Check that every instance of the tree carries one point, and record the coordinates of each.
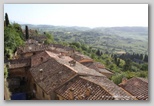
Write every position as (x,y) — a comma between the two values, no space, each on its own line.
(49,39)
(12,40)
(18,30)
(98,53)
(118,62)
(27,32)
(6,20)
(146,58)
(127,65)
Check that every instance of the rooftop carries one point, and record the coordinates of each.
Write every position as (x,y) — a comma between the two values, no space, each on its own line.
(137,87)
(18,63)
(109,86)
(51,77)
(98,89)
(97,66)
(78,68)
(80,88)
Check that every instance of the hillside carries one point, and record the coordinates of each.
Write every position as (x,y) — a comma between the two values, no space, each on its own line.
(111,39)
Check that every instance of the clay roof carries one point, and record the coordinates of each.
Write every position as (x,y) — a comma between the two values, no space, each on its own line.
(31,48)
(101,89)
(57,70)
(97,66)
(79,86)
(117,92)
(137,87)
(51,77)
(78,56)
(18,63)
(104,70)
(78,68)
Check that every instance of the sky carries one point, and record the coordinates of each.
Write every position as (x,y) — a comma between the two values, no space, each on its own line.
(85,15)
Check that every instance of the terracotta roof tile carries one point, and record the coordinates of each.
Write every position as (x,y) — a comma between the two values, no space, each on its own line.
(80,87)
(50,78)
(93,65)
(109,86)
(78,68)
(57,70)
(137,87)
(78,56)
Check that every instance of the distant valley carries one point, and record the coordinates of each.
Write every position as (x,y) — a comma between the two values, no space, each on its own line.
(110,39)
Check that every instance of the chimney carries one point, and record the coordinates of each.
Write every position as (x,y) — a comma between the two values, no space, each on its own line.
(71,95)
(124,81)
(88,91)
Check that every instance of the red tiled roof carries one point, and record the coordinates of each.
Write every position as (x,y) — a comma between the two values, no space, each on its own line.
(78,56)
(31,48)
(94,65)
(99,89)
(53,68)
(78,68)
(109,86)
(138,87)
(53,75)
(99,65)
(39,47)
(80,86)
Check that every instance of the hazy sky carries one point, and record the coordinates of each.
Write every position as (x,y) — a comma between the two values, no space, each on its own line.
(90,15)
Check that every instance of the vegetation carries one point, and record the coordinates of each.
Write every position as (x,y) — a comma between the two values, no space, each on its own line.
(5,72)
(13,38)
(49,39)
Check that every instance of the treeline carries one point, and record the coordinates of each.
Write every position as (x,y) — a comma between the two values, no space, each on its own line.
(140,58)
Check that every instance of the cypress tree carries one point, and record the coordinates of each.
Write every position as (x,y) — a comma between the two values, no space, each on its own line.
(27,32)
(7,19)
(98,53)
